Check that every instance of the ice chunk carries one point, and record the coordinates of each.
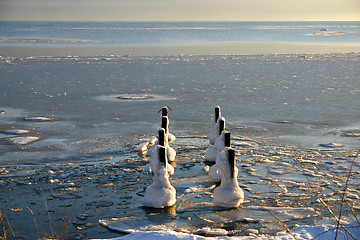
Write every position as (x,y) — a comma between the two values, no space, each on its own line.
(149,223)
(38,119)
(99,204)
(192,188)
(65,195)
(22,140)
(332,145)
(211,232)
(15,131)
(142,148)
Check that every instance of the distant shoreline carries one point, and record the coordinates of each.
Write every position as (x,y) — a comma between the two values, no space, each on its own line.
(243,48)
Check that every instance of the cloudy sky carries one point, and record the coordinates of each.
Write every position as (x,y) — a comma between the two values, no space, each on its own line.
(180,10)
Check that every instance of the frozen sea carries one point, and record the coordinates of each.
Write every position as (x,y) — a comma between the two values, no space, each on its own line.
(69,125)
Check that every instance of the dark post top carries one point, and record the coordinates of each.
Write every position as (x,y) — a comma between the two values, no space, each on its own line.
(227,139)
(162,157)
(217,113)
(164,123)
(231,159)
(164,111)
(221,126)
(161,139)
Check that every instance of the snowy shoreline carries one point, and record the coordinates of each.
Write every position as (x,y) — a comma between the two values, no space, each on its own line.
(324,232)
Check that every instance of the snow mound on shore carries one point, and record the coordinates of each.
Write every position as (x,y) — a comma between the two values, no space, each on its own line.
(323,232)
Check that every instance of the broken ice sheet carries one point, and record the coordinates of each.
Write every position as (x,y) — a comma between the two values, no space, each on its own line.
(149,223)
(20,173)
(197,207)
(65,195)
(258,214)
(190,186)
(22,140)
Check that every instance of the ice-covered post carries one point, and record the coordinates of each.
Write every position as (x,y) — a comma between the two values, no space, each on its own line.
(228,194)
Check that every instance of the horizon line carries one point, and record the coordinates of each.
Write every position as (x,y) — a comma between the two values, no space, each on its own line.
(1,20)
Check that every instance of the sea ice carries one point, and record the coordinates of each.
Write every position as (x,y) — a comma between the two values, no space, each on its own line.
(39,119)
(22,140)
(192,188)
(324,232)
(212,232)
(133,97)
(99,204)
(15,131)
(258,214)
(142,148)
(148,223)
(65,195)
(332,145)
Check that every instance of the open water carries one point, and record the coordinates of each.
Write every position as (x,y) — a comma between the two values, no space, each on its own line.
(175,33)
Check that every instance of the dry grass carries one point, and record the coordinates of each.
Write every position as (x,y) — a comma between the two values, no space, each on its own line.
(60,230)
(343,202)
(338,217)
(6,228)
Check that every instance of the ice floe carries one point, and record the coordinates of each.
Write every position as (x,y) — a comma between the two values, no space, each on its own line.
(15,131)
(332,145)
(133,97)
(148,223)
(38,119)
(323,232)
(258,214)
(22,140)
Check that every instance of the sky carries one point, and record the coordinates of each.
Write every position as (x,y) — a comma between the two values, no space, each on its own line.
(180,10)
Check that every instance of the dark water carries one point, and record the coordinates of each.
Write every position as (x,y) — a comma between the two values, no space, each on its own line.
(309,99)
